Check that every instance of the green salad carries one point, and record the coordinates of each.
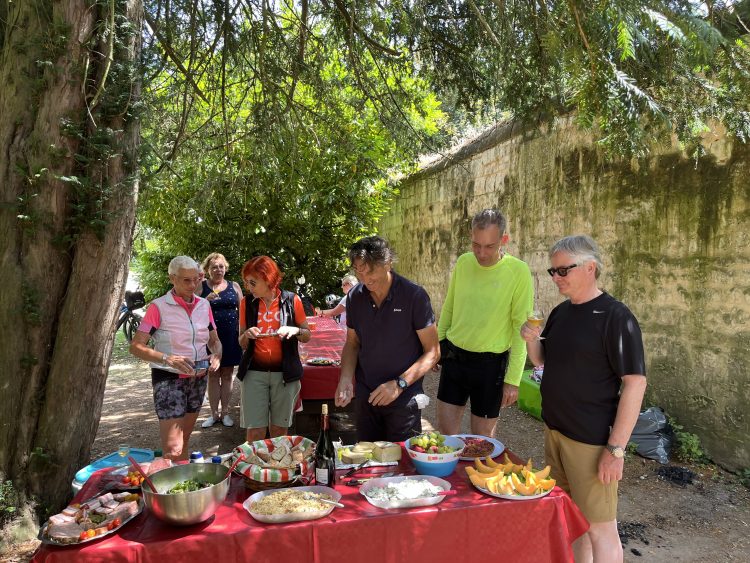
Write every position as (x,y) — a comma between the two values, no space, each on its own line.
(189,486)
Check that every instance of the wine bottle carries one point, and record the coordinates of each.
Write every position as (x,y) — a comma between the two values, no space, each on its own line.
(325,458)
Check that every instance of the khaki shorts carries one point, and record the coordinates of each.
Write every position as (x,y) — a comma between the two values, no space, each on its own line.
(265,397)
(575,467)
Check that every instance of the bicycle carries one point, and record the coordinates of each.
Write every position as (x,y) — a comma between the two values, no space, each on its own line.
(129,320)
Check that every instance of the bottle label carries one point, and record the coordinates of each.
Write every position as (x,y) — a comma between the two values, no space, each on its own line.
(321,475)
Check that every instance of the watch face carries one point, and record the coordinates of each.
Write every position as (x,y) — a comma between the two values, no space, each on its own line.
(401,383)
(616,451)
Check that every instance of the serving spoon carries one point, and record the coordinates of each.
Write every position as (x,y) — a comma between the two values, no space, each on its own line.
(309,496)
(142,472)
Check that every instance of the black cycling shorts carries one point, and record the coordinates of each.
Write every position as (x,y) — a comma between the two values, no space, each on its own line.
(475,376)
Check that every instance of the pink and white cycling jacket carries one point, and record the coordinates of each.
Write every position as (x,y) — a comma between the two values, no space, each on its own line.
(178,328)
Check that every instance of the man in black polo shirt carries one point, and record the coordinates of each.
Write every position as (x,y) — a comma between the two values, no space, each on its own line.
(391,342)
(594,380)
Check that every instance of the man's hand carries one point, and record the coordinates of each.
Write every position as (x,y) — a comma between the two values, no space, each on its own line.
(384,394)
(530,333)
(344,393)
(510,395)
(610,467)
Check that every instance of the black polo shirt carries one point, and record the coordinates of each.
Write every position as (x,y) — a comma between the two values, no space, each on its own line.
(388,338)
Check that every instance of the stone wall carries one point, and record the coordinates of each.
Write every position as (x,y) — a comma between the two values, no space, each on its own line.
(675,236)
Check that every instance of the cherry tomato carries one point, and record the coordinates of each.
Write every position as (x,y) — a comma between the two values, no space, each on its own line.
(90,533)
(116,522)
(126,480)
(83,536)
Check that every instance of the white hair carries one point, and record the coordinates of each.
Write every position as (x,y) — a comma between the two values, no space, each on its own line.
(350,279)
(182,263)
(582,248)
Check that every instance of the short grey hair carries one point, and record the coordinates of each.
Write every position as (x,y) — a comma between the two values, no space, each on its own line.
(582,248)
(488,217)
(182,263)
(372,251)
(350,279)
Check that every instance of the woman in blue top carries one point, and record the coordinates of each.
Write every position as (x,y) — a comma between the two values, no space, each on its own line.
(224,297)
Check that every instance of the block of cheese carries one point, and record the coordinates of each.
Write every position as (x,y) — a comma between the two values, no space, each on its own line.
(348,456)
(386,451)
(363,447)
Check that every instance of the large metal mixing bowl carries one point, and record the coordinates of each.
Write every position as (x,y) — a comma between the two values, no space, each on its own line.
(184,509)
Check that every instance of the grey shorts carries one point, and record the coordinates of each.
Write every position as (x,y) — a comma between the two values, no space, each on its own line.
(174,398)
(265,397)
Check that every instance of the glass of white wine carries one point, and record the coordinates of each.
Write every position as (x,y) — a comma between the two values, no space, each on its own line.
(123,450)
(536,318)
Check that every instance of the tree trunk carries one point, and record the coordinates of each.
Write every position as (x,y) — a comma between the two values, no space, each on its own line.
(68,189)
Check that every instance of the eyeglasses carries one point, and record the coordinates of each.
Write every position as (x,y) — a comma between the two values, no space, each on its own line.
(562,271)
(251,283)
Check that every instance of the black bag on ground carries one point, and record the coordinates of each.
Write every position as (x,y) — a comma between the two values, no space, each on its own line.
(653,435)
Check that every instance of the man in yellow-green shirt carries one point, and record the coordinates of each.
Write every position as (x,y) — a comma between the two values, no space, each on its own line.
(489,297)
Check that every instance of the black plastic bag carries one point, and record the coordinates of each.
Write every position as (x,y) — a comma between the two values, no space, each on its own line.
(653,435)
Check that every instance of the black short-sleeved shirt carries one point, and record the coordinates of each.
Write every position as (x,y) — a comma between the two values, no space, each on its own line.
(587,349)
(388,338)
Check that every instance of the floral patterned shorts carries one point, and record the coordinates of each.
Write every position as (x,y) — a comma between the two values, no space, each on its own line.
(174,398)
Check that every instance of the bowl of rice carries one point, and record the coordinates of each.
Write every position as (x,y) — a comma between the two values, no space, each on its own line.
(404,492)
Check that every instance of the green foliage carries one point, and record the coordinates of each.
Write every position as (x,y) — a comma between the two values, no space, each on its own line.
(295,168)
(271,126)
(687,445)
(10,502)
(745,477)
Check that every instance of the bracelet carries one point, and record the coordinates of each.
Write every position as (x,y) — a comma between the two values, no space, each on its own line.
(164,359)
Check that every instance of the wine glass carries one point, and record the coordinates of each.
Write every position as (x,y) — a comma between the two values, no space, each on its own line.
(123,450)
(536,318)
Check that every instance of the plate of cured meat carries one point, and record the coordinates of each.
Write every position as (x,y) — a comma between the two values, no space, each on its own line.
(479,446)
(88,521)
(320,361)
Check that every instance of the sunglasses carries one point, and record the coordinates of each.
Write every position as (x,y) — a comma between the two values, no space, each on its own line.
(562,271)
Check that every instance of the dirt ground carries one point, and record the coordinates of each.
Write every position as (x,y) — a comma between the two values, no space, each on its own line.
(708,520)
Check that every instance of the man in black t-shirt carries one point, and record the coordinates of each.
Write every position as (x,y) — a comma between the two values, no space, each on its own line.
(593,386)
(391,342)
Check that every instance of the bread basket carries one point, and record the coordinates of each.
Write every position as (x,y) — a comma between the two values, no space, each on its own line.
(275,463)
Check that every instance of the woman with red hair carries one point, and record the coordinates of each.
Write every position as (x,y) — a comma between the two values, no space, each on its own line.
(272,323)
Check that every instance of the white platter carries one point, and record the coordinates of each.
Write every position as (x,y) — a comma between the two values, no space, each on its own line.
(49,541)
(383,481)
(511,497)
(296,516)
(499,446)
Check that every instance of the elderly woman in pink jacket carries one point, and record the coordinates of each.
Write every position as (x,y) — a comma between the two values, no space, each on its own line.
(181,325)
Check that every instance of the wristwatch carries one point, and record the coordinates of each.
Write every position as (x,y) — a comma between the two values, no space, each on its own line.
(401,382)
(616,451)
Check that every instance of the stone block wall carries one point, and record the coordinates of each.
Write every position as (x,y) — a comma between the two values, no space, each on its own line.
(674,232)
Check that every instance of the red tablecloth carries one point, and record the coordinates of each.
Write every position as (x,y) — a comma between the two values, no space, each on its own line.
(319,382)
(468,526)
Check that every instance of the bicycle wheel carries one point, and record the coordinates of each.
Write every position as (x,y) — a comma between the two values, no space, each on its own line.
(131,326)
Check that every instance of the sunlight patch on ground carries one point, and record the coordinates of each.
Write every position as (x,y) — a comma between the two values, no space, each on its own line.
(120,367)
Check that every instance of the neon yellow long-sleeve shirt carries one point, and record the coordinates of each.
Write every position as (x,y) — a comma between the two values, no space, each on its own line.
(485,308)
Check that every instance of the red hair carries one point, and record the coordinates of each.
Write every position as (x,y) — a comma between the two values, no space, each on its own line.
(265,268)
